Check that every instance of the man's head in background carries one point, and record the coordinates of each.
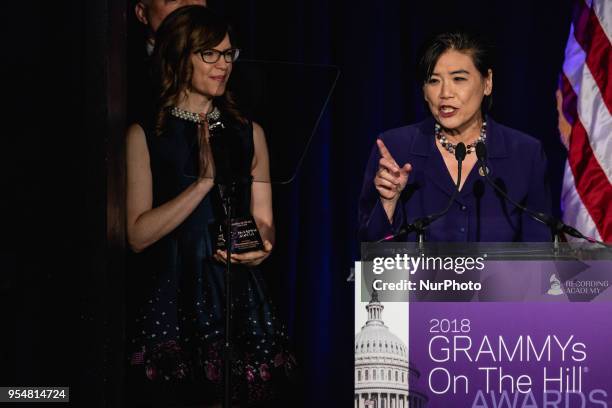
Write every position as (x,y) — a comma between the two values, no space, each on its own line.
(152,12)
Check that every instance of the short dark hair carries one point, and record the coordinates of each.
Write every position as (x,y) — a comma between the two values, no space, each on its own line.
(472,44)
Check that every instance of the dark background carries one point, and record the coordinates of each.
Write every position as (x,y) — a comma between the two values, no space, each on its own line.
(61,256)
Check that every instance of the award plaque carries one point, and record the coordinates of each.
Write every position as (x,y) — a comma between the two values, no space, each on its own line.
(244,236)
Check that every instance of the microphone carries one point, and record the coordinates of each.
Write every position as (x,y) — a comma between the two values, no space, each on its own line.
(420,224)
(556,226)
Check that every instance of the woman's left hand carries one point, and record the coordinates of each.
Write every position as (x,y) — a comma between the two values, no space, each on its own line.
(252,258)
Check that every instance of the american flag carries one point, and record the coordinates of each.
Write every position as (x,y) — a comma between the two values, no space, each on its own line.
(585,123)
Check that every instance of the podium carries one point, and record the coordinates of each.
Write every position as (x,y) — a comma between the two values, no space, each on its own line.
(492,324)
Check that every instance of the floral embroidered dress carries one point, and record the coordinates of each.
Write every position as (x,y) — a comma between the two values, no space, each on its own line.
(176,297)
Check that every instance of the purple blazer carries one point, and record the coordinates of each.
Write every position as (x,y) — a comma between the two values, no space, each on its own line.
(516,162)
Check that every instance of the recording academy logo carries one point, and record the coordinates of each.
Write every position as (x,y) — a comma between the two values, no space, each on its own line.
(577,288)
(586,287)
(555,286)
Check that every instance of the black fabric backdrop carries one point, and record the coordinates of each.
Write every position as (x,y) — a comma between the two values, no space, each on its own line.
(61,291)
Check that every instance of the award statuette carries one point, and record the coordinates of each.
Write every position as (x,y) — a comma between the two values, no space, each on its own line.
(233,178)
(244,236)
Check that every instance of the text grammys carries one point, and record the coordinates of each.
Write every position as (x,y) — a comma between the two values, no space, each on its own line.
(557,383)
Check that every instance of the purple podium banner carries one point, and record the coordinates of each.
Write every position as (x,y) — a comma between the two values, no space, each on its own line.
(488,326)
(511,354)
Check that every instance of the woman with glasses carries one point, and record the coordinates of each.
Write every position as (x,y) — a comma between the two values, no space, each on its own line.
(174,207)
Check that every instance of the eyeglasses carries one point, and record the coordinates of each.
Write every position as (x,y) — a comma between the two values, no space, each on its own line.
(212,56)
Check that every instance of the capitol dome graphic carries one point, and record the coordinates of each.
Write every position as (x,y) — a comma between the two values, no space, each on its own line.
(383,376)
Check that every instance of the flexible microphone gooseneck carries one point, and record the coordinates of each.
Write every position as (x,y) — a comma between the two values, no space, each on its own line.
(420,224)
(556,226)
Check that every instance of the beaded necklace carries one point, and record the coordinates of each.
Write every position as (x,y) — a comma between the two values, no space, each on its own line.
(212,116)
(451,147)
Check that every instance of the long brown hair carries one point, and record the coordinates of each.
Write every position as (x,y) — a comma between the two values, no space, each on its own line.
(185,31)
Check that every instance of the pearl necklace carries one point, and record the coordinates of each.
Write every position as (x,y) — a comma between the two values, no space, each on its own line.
(212,116)
(451,147)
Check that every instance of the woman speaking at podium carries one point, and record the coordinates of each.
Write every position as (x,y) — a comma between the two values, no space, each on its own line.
(412,170)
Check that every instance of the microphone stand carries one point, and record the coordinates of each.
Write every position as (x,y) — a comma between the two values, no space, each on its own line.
(420,224)
(228,346)
(556,226)
(227,189)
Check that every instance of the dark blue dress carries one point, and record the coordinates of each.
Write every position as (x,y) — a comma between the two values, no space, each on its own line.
(176,296)
(478,214)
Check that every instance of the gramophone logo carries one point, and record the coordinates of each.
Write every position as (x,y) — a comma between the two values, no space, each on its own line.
(555,286)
